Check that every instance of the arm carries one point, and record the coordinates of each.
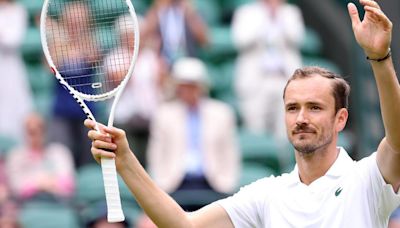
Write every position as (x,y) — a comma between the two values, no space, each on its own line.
(195,23)
(158,205)
(374,35)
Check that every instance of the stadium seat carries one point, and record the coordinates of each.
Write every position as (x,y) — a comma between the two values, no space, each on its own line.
(209,11)
(321,62)
(261,149)
(253,171)
(233,4)
(48,215)
(106,36)
(40,78)
(95,210)
(115,9)
(221,45)
(33,7)
(312,44)
(90,186)
(6,144)
(31,47)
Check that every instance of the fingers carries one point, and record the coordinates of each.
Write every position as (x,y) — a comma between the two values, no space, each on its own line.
(379,15)
(370,3)
(116,133)
(96,135)
(108,146)
(99,153)
(353,12)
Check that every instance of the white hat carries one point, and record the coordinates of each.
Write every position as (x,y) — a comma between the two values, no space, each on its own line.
(190,70)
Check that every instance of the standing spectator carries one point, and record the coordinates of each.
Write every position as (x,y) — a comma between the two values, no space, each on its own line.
(267,34)
(180,28)
(72,61)
(38,170)
(16,101)
(192,139)
(144,91)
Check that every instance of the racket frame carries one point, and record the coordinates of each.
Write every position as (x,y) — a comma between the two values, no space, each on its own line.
(114,208)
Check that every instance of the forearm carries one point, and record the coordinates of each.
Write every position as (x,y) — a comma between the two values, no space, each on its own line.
(198,29)
(389,95)
(158,205)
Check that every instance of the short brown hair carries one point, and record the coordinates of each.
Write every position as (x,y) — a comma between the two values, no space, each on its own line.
(340,88)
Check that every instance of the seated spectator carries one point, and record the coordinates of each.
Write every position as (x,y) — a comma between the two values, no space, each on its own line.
(8,205)
(268,35)
(180,28)
(192,139)
(38,170)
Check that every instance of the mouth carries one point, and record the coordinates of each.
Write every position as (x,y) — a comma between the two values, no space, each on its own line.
(303,132)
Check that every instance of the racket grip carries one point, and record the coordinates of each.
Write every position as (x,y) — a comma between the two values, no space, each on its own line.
(114,208)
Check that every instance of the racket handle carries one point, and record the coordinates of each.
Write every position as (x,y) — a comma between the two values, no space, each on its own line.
(114,209)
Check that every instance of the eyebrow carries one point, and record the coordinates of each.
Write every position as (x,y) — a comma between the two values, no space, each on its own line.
(307,103)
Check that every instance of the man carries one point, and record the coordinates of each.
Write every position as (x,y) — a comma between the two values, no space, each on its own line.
(192,144)
(326,189)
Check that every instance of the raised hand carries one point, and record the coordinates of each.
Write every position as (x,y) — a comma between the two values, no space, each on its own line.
(374,32)
(108,139)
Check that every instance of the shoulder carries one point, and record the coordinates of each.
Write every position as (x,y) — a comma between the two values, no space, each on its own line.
(169,107)
(171,110)
(218,110)
(216,104)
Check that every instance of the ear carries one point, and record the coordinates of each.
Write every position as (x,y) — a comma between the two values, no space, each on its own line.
(341,119)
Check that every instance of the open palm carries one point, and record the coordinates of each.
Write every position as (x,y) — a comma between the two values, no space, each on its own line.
(373,33)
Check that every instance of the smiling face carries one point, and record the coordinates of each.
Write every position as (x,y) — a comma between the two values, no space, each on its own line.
(311,120)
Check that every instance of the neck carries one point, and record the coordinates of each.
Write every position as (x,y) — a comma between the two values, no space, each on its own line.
(315,165)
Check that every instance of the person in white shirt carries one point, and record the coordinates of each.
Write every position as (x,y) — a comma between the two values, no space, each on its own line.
(16,97)
(326,188)
(268,35)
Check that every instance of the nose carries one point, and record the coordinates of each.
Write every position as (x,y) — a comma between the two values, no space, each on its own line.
(302,117)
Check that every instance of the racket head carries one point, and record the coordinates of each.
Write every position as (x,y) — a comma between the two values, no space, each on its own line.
(80,43)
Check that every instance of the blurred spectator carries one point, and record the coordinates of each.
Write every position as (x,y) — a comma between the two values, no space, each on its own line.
(74,59)
(180,28)
(38,170)
(16,101)
(192,140)
(394,221)
(8,206)
(268,35)
(144,91)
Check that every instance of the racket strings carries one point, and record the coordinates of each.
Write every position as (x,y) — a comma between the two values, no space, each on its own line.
(83,43)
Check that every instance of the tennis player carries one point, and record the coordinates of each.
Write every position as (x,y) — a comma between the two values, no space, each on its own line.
(326,188)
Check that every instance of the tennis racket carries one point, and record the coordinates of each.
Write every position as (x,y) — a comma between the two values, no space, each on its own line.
(78,38)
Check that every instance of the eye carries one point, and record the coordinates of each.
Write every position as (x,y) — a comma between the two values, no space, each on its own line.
(315,108)
(291,108)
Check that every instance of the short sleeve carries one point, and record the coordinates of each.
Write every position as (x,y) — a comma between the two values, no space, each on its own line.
(246,207)
(383,197)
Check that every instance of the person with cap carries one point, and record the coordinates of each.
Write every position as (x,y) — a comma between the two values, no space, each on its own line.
(192,138)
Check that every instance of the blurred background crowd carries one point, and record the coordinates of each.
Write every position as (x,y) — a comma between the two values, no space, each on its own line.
(203,110)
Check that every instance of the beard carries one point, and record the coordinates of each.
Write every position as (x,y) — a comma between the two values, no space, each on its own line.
(307,147)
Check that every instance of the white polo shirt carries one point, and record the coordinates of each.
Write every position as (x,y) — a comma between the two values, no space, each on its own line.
(351,194)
